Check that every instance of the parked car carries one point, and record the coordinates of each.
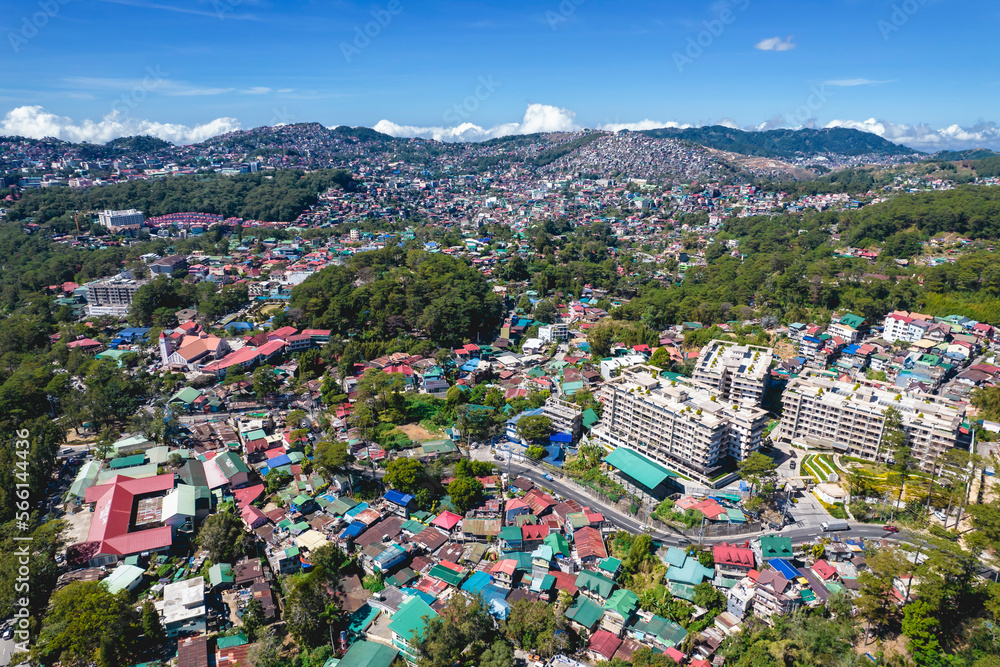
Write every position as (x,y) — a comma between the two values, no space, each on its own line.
(547,476)
(792,465)
(890,529)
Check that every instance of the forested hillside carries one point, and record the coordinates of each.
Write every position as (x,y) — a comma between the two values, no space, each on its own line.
(393,291)
(274,196)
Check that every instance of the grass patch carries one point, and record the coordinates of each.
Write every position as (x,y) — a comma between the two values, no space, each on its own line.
(836,511)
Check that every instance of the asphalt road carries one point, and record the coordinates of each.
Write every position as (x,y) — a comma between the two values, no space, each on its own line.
(802,531)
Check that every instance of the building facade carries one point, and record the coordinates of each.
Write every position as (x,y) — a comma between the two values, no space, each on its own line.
(112,296)
(676,424)
(121,221)
(850,418)
(738,373)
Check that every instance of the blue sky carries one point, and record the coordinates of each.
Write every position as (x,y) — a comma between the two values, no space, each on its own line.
(921,72)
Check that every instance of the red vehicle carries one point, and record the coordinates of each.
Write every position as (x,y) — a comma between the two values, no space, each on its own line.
(890,529)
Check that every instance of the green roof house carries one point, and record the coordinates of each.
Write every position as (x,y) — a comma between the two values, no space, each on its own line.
(774,546)
(369,654)
(584,613)
(408,624)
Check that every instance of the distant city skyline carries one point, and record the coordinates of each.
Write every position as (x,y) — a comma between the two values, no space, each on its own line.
(93,70)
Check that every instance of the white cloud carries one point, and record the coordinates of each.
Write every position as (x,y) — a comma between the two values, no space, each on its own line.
(849,83)
(642,125)
(775,44)
(924,137)
(537,118)
(256,90)
(36,122)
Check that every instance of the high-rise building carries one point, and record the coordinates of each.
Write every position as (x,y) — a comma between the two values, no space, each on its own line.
(676,423)
(112,296)
(121,221)
(850,418)
(737,373)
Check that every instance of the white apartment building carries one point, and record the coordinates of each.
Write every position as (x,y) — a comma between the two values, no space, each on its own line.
(908,327)
(850,418)
(610,368)
(112,296)
(183,607)
(553,333)
(119,221)
(676,424)
(737,373)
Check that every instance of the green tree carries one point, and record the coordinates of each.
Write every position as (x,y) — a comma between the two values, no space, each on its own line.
(536,626)
(920,626)
(253,619)
(463,630)
(305,609)
(536,452)
(265,382)
(466,493)
(79,617)
(152,628)
(222,535)
(545,312)
(534,428)
(499,654)
(759,470)
(405,474)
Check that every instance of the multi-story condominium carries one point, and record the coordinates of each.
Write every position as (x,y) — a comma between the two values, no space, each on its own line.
(566,417)
(737,373)
(553,333)
(903,326)
(676,424)
(112,296)
(850,418)
(119,221)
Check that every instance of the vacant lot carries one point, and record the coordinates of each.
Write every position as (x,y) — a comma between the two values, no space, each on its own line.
(416,432)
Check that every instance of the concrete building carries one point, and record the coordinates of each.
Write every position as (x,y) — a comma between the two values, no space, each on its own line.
(183,607)
(112,296)
(610,368)
(850,418)
(121,221)
(676,424)
(902,326)
(553,333)
(566,417)
(737,373)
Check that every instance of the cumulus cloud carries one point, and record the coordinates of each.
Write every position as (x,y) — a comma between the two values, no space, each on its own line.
(36,122)
(775,44)
(643,125)
(926,138)
(537,118)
